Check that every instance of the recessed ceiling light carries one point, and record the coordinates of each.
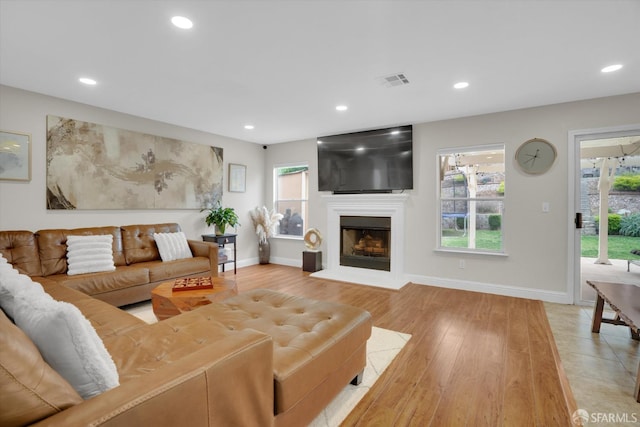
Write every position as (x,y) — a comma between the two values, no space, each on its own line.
(182,22)
(249,127)
(461,85)
(342,107)
(611,68)
(87,81)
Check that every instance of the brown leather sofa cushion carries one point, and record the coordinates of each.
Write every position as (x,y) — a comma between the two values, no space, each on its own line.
(31,390)
(97,283)
(20,248)
(52,246)
(163,271)
(226,381)
(138,242)
(104,317)
(142,350)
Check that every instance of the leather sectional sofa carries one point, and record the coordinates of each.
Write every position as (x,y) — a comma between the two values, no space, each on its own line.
(260,358)
(43,256)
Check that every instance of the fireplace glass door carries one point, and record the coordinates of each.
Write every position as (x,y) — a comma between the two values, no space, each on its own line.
(365,242)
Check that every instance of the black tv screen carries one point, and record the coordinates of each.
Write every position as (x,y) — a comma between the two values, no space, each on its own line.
(372,161)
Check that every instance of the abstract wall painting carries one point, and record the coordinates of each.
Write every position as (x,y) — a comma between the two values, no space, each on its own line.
(96,167)
(15,156)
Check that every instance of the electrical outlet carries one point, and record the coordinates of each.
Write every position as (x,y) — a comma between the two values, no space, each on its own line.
(461,264)
(545,207)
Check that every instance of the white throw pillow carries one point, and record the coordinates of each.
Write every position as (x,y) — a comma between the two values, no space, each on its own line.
(68,343)
(172,246)
(13,283)
(89,254)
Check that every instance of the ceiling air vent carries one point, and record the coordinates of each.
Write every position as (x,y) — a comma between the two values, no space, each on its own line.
(394,80)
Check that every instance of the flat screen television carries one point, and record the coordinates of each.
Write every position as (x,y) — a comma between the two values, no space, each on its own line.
(374,161)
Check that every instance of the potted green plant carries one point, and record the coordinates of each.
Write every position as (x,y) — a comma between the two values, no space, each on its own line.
(221,217)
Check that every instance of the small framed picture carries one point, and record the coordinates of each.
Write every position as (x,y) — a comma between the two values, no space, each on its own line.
(237,178)
(15,156)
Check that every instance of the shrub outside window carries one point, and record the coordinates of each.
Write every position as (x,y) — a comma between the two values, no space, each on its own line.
(471,199)
(291,190)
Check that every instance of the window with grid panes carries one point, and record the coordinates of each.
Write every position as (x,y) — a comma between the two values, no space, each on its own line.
(291,189)
(471,199)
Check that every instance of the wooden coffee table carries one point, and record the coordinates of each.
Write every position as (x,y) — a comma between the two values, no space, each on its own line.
(167,303)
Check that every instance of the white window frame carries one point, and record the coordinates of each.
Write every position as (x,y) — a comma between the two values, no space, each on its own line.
(453,151)
(275,197)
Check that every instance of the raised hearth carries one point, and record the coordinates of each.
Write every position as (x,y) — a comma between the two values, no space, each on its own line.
(390,206)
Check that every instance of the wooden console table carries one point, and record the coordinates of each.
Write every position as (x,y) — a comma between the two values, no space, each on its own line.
(624,300)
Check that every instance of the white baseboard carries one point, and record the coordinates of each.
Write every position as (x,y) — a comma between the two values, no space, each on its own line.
(273,260)
(287,261)
(247,262)
(489,288)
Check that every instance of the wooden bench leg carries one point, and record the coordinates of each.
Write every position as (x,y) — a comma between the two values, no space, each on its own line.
(637,391)
(597,315)
(358,378)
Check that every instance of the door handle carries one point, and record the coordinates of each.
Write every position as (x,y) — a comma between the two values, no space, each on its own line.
(578,220)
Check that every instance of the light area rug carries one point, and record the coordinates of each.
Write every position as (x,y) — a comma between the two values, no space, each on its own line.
(382,347)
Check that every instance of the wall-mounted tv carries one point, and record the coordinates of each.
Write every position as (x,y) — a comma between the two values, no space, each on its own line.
(374,161)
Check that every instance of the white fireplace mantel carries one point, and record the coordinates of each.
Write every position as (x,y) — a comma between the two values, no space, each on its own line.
(381,205)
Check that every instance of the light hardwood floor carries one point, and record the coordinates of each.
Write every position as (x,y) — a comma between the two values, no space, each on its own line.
(474,359)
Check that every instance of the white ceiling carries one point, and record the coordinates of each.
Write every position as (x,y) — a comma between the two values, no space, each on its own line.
(283,66)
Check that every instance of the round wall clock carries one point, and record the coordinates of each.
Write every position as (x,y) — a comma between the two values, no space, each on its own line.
(536,156)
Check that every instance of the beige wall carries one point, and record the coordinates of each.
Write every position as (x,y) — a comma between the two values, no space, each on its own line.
(23,206)
(536,242)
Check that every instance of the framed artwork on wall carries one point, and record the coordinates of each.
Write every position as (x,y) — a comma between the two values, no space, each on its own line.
(15,156)
(94,166)
(237,178)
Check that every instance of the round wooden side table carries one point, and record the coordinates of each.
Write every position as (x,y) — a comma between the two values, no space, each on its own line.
(167,303)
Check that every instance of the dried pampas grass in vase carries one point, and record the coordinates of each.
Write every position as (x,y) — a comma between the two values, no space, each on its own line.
(265,224)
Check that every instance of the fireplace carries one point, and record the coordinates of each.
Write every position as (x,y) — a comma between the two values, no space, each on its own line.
(365,242)
(385,257)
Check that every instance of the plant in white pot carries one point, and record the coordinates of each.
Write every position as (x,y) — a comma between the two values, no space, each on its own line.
(265,223)
(221,217)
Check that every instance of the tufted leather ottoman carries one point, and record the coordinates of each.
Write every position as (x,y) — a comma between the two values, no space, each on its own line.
(319,346)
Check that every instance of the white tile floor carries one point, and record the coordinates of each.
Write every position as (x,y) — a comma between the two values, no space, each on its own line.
(601,367)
